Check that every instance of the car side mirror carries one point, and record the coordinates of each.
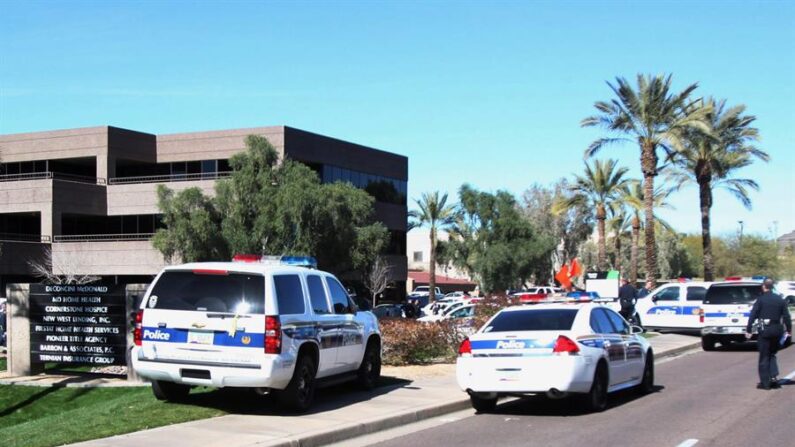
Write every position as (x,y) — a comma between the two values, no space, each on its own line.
(635,330)
(654,299)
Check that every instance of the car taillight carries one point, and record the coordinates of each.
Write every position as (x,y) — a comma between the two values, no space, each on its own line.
(565,345)
(273,335)
(465,350)
(700,315)
(138,328)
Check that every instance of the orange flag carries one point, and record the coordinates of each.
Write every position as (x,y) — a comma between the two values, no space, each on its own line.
(576,269)
(563,276)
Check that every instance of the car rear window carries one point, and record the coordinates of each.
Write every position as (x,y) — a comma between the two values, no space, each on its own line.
(227,293)
(733,294)
(533,320)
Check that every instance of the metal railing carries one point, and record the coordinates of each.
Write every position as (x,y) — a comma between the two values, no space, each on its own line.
(168,178)
(52,175)
(102,237)
(21,237)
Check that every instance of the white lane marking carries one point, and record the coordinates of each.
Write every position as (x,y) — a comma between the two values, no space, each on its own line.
(688,443)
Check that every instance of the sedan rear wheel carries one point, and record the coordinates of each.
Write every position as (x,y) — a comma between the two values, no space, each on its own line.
(647,384)
(483,403)
(596,399)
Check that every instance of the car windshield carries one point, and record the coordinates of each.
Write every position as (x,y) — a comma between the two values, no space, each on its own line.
(240,293)
(533,320)
(733,294)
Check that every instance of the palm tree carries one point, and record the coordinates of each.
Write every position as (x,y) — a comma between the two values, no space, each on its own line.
(654,118)
(599,187)
(437,215)
(710,160)
(634,198)
(619,225)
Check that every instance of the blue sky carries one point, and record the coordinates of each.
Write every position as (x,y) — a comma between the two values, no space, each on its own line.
(489,93)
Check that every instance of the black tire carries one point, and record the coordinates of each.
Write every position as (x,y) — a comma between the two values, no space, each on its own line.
(370,369)
(647,384)
(707,343)
(170,391)
(596,399)
(483,403)
(300,391)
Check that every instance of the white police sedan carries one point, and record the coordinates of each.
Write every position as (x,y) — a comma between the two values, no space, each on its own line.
(557,349)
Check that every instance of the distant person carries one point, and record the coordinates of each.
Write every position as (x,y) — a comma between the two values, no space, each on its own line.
(773,321)
(646,289)
(627,297)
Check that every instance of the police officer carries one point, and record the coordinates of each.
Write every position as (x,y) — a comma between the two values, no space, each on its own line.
(768,313)
(627,297)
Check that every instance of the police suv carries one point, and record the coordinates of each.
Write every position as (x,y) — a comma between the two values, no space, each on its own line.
(275,324)
(673,307)
(557,349)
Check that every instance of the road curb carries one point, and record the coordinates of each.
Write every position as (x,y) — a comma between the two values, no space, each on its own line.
(365,428)
(678,350)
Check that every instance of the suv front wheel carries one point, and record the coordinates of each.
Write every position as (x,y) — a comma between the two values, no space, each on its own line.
(300,391)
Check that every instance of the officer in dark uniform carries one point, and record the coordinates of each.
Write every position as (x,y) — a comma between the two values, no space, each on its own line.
(627,297)
(768,313)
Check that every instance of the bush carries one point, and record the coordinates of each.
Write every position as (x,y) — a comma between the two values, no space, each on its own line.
(410,342)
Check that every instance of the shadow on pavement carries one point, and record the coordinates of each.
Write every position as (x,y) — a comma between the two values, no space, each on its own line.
(245,401)
(543,406)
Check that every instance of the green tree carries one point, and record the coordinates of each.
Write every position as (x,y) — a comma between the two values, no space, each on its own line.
(273,208)
(435,213)
(493,242)
(654,118)
(710,160)
(599,188)
(568,229)
(193,227)
(633,198)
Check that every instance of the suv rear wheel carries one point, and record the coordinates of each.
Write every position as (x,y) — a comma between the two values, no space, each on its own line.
(170,391)
(300,391)
(370,369)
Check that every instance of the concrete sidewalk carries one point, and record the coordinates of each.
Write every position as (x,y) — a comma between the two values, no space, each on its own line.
(412,394)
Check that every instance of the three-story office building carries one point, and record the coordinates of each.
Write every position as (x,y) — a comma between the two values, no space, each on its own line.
(88,195)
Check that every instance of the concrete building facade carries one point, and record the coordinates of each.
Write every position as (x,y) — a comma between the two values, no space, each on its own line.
(88,195)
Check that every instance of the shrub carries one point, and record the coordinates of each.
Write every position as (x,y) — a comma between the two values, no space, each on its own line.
(410,342)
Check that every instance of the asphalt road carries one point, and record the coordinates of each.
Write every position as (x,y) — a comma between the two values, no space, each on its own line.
(702,399)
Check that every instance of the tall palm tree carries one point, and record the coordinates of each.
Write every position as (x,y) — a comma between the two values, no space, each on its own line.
(654,118)
(634,198)
(599,187)
(710,161)
(619,224)
(434,212)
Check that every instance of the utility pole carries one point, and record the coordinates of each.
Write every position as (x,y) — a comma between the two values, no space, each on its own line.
(741,231)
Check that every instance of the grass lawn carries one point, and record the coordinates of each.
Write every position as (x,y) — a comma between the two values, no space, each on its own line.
(648,335)
(3,364)
(39,417)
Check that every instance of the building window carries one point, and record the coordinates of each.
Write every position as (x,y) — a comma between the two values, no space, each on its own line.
(417,256)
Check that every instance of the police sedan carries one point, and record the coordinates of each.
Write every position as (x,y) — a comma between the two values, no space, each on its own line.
(558,349)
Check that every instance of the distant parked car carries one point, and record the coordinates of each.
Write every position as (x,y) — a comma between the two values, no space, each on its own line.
(389,311)
(535,294)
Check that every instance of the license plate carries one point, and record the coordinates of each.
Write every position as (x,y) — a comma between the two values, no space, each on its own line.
(735,330)
(200,338)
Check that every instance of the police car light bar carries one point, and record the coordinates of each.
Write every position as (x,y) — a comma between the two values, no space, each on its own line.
(297,261)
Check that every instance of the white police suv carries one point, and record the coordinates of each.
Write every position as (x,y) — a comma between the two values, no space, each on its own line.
(555,349)
(725,311)
(275,324)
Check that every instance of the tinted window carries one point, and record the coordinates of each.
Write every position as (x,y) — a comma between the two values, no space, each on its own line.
(620,326)
(696,293)
(233,293)
(289,294)
(599,322)
(732,294)
(317,295)
(533,320)
(339,298)
(668,294)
